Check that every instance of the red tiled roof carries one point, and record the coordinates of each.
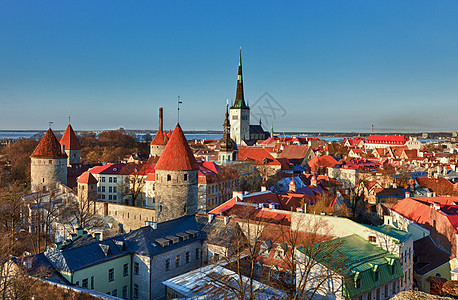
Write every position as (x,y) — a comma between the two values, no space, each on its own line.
(440,185)
(108,169)
(69,139)
(321,161)
(49,147)
(177,155)
(411,209)
(387,139)
(295,152)
(87,178)
(258,154)
(150,177)
(159,138)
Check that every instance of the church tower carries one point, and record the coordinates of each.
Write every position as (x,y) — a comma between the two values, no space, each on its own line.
(227,149)
(157,145)
(176,179)
(240,112)
(71,146)
(48,163)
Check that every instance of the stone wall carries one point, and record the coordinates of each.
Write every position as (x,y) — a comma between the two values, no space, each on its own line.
(48,172)
(74,157)
(131,217)
(156,150)
(176,194)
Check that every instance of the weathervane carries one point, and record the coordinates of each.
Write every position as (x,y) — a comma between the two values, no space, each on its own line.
(49,124)
(178,106)
(68,119)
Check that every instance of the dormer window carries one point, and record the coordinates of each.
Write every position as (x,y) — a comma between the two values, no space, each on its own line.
(280,252)
(265,248)
(377,275)
(358,283)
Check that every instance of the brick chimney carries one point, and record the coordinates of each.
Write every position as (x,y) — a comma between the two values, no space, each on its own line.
(160,119)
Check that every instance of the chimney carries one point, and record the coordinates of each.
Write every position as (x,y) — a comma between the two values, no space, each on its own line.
(154,225)
(210,218)
(226,220)
(407,194)
(263,188)
(292,185)
(160,118)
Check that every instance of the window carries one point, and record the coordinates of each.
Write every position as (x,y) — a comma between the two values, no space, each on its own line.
(111,275)
(235,117)
(169,177)
(110,197)
(135,290)
(92,282)
(114,293)
(378,294)
(358,283)
(187,257)
(110,179)
(103,196)
(438,275)
(394,287)
(85,283)
(99,189)
(125,270)
(372,239)
(167,264)
(393,269)
(369,295)
(136,268)
(77,283)
(197,253)
(185,177)
(50,162)
(114,189)
(115,179)
(115,197)
(103,178)
(177,261)
(124,292)
(103,189)
(386,291)
(110,189)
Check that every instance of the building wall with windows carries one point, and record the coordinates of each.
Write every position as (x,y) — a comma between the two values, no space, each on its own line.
(165,266)
(109,277)
(109,187)
(131,217)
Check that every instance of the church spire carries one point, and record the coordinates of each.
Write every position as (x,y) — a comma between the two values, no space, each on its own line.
(239,98)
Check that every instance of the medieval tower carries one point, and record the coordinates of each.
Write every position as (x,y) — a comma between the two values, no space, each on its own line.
(240,112)
(176,179)
(157,145)
(87,191)
(48,163)
(227,149)
(71,147)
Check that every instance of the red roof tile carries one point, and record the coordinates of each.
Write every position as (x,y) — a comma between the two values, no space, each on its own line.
(69,139)
(87,178)
(387,139)
(295,152)
(258,154)
(177,155)
(49,147)
(159,139)
(321,161)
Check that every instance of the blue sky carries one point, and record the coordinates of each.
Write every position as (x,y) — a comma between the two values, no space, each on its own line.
(331,65)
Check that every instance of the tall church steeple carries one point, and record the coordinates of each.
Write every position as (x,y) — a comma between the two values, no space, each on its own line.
(240,111)
(239,97)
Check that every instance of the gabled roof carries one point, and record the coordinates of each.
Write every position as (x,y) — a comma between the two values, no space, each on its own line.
(321,161)
(428,256)
(387,139)
(49,147)
(257,154)
(295,152)
(439,185)
(87,178)
(177,155)
(69,139)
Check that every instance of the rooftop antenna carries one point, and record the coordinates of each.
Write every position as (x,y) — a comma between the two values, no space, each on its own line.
(178,106)
(49,124)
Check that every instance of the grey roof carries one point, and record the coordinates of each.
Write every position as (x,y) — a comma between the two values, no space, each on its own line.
(142,240)
(257,129)
(84,252)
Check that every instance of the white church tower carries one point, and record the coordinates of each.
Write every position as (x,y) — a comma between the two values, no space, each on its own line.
(240,112)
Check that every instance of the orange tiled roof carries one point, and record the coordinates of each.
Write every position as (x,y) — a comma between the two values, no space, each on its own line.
(159,138)
(177,155)
(87,178)
(49,147)
(69,139)
(258,154)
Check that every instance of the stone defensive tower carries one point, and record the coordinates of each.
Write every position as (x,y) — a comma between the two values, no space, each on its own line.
(49,163)
(157,145)
(71,147)
(240,112)
(176,179)
(87,191)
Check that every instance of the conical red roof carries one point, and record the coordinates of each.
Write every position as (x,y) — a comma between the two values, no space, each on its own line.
(159,139)
(177,155)
(87,178)
(69,139)
(49,147)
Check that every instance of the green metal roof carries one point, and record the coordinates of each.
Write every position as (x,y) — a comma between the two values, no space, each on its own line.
(400,235)
(359,259)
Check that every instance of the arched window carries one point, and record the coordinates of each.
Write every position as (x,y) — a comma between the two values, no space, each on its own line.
(169,177)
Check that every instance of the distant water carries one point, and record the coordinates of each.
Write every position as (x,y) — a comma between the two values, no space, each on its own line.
(189,137)
(16,134)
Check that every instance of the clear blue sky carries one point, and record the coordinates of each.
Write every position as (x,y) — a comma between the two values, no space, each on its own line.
(332,65)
